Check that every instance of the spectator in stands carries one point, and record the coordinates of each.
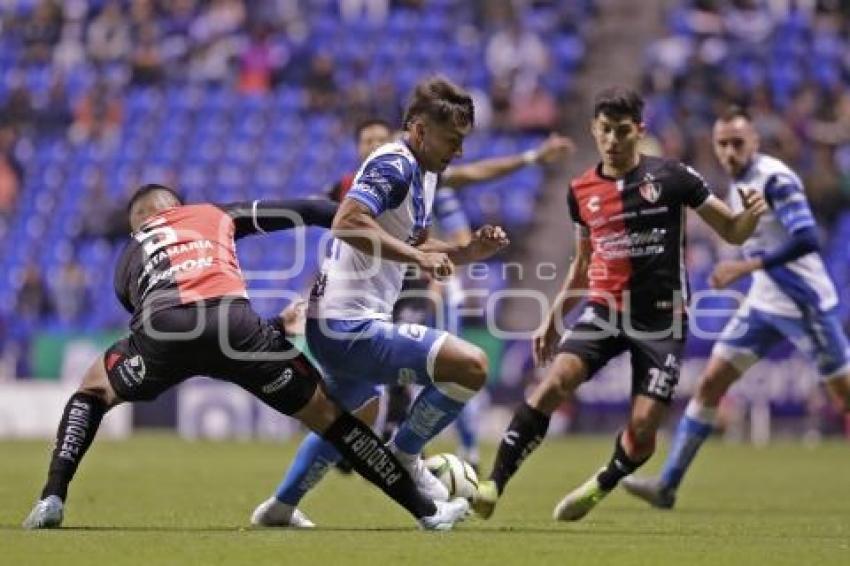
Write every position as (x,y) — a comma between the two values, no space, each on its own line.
(374,10)
(146,65)
(53,116)
(108,37)
(11,173)
(322,90)
(41,31)
(70,292)
(18,111)
(261,61)
(98,115)
(103,216)
(534,111)
(500,101)
(33,301)
(213,34)
(175,26)
(703,18)
(517,55)
(746,22)
(143,15)
(221,18)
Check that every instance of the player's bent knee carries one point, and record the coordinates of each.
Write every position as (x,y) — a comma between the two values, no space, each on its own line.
(568,372)
(565,375)
(319,413)
(96,383)
(477,365)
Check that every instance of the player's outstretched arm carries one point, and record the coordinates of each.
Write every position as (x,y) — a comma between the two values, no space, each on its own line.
(553,148)
(572,291)
(484,243)
(355,225)
(261,216)
(734,228)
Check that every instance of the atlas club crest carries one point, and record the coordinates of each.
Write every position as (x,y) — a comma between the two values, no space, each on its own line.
(650,189)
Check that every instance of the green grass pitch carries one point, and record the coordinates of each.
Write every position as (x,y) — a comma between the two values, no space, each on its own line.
(158,500)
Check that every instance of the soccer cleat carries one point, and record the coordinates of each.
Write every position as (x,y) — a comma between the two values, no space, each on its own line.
(650,490)
(484,502)
(273,513)
(426,482)
(47,514)
(579,501)
(448,513)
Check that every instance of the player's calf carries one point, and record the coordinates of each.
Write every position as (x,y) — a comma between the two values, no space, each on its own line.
(528,428)
(77,428)
(372,460)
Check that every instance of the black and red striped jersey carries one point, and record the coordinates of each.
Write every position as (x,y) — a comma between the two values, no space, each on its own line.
(636,225)
(187,254)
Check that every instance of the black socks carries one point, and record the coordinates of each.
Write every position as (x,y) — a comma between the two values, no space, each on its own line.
(80,421)
(618,467)
(374,461)
(523,436)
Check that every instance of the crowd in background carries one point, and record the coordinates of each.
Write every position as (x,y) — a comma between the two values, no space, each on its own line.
(76,78)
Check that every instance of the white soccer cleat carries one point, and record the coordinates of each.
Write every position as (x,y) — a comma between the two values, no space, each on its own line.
(273,513)
(47,514)
(448,513)
(426,482)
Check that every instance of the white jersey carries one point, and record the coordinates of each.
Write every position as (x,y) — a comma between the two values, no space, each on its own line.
(400,194)
(805,280)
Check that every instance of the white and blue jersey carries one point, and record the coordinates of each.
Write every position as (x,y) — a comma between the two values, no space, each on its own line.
(400,195)
(348,317)
(794,300)
(801,283)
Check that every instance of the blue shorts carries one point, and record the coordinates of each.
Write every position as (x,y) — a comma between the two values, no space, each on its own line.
(752,333)
(359,355)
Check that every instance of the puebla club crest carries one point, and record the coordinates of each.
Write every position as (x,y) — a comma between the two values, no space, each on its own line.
(650,189)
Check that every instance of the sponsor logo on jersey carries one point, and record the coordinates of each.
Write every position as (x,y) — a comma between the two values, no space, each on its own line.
(593,204)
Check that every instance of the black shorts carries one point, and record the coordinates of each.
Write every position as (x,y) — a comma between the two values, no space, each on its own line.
(223,339)
(656,346)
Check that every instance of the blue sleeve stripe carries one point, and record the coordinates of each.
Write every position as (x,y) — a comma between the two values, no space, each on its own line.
(373,204)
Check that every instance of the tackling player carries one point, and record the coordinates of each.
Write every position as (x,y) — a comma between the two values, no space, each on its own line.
(629,212)
(180,280)
(791,296)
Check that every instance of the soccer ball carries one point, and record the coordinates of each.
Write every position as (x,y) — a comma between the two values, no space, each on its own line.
(457,475)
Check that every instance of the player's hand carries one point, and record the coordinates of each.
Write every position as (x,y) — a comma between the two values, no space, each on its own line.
(487,241)
(554,148)
(293,317)
(727,272)
(544,343)
(754,203)
(436,264)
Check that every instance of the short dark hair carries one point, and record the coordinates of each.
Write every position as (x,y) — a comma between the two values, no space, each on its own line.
(442,101)
(619,102)
(149,188)
(368,123)
(733,112)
